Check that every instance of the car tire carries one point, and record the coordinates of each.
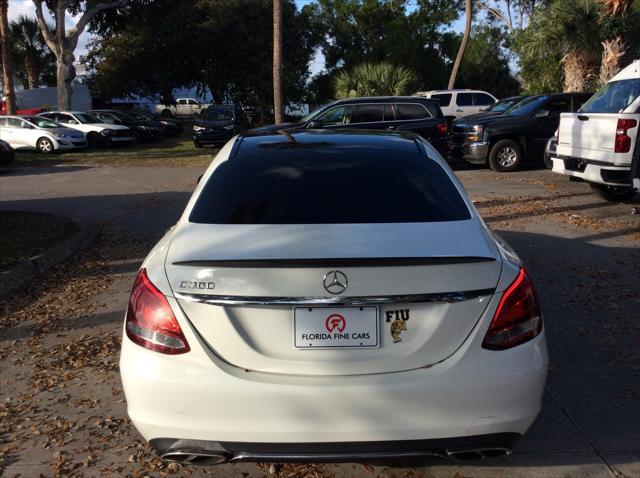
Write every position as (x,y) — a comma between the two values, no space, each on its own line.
(613,193)
(548,162)
(505,156)
(45,145)
(95,141)
(197,144)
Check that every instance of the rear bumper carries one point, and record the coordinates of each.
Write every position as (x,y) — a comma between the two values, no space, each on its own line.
(210,452)
(474,153)
(198,396)
(591,171)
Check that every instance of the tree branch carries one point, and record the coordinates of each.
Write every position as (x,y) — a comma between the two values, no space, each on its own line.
(46,33)
(74,33)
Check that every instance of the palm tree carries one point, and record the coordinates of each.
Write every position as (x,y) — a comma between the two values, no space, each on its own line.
(463,44)
(7,71)
(30,50)
(573,27)
(277,60)
(373,79)
(614,47)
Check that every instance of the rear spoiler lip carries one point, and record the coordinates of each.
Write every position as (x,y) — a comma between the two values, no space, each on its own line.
(438,297)
(337,262)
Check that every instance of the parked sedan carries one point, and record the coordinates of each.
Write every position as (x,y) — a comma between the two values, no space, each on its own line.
(217,124)
(376,316)
(143,129)
(98,133)
(391,113)
(168,126)
(7,154)
(36,132)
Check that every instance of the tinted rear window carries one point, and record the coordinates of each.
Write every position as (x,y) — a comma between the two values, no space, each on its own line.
(443,99)
(411,111)
(329,187)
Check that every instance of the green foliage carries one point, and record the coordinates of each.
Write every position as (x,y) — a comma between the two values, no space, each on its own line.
(373,79)
(32,59)
(403,32)
(485,65)
(565,26)
(224,45)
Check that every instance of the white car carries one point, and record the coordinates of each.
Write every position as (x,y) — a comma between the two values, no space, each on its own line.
(182,107)
(460,103)
(36,132)
(331,296)
(600,142)
(98,133)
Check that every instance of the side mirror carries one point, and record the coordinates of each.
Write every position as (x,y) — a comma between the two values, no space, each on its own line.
(543,114)
(314,124)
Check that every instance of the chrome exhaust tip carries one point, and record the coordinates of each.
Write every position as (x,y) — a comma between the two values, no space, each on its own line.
(468,454)
(195,457)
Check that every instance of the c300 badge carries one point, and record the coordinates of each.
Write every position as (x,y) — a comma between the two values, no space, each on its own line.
(196,285)
(398,319)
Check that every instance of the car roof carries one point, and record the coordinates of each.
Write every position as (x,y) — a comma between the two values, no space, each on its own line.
(259,143)
(64,111)
(383,99)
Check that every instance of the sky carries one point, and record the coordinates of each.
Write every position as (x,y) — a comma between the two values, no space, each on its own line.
(26,7)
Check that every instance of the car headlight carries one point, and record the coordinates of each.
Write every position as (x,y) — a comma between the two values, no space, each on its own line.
(475,133)
(144,128)
(106,132)
(198,128)
(62,135)
(228,127)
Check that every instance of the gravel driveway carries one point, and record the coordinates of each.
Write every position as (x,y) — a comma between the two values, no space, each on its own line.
(63,413)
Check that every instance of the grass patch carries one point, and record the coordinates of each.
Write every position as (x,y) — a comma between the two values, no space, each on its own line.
(27,234)
(169,151)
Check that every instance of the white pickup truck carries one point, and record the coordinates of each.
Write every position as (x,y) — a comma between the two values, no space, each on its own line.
(182,107)
(600,143)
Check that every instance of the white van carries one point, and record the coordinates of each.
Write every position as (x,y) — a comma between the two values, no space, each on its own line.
(460,103)
(599,143)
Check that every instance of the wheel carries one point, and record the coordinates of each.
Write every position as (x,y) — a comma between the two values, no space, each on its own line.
(197,144)
(548,162)
(45,145)
(613,193)
(95,141)
(506,155)
(166,113)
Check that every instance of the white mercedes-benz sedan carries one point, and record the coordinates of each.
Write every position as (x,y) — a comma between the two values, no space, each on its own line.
(331,296)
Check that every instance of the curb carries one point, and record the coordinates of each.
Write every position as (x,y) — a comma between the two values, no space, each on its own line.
(18,275)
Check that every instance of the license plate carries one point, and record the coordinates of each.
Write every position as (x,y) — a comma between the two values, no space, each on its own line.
(335,327)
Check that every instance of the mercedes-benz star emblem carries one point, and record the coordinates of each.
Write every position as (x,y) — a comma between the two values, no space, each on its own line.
(335,282)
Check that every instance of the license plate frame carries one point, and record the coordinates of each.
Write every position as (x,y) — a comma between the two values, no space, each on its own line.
(327,321)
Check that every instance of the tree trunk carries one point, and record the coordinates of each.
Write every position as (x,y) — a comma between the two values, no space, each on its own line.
(277,60)
(65,72)
(579,69)
(613,51)
(31,72)
(463,45)
(7,70)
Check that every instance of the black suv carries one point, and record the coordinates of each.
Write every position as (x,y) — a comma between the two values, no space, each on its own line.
(520,134)
(391,113)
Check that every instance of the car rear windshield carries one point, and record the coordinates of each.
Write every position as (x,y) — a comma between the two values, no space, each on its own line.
(329,187)
(614,97)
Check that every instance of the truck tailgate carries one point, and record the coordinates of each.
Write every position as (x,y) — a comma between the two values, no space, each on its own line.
(592,136)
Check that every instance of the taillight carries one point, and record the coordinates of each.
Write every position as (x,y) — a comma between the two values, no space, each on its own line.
(150,321)
(517,319)
(442,128)
(623,141)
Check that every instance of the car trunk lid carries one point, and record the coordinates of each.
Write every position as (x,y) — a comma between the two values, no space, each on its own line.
(416,289)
